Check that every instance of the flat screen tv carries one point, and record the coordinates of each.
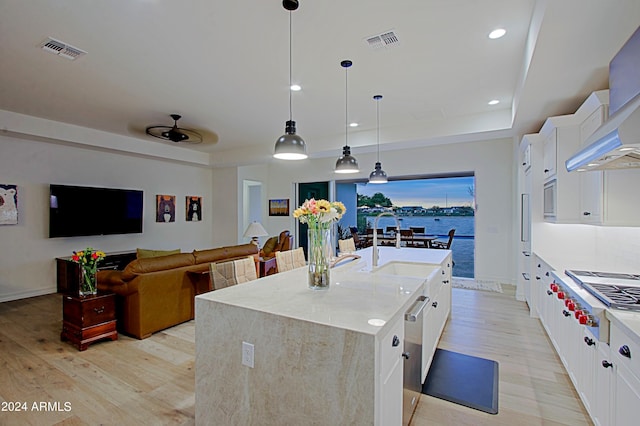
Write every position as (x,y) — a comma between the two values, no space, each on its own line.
(81,210)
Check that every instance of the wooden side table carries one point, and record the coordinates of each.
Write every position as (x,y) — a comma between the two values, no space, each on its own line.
(88,319)
(268,266)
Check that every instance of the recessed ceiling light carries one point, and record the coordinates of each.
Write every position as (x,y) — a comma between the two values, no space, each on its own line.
(296,87)
(353,124)
(497,33)
(494,102)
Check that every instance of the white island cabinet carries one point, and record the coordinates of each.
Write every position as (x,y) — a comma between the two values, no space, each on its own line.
(271,351)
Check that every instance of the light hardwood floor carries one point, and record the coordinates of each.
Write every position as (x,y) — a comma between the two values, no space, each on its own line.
(151,381)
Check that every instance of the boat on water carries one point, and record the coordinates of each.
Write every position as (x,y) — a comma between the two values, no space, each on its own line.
(437,219)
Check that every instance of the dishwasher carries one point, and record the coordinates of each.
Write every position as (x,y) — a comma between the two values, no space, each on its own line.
(412,381)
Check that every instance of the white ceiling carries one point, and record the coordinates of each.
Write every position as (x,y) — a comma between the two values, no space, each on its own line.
(224,66)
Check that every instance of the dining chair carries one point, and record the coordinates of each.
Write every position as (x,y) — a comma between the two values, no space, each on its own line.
(245,270)
(222,274)
(417,229)
(347,246)
(297,258)
(360,243)
(406,236)
(290,259)
(443,245)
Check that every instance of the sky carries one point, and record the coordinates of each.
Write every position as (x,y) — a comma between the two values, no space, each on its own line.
(442,192)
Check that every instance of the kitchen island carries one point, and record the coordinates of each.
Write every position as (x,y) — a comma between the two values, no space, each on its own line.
(274,352)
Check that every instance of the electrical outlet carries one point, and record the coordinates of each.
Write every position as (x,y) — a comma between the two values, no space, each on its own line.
(247,354)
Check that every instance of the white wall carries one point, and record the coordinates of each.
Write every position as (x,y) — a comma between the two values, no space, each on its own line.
(27,265)
(490,161)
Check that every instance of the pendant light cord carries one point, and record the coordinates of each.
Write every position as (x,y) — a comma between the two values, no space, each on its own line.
(346,108)
(378,125)
(290,72)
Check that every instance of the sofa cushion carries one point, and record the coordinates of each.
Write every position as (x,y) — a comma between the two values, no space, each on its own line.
(142,253)
(153,264)
(269,246)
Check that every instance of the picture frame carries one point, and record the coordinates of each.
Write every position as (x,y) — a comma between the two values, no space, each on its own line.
(279,207)
(193,208)
(165,208)
(8,204)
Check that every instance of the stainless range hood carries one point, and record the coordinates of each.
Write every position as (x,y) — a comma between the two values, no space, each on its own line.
(615,145)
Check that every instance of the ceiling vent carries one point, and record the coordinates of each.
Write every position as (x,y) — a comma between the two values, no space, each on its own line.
(386,39)
(62,49)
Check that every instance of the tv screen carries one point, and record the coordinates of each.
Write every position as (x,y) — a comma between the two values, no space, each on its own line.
(81,210)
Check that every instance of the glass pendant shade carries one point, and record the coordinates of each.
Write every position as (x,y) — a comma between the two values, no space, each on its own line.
(378,175)
(347,163)
(290,146)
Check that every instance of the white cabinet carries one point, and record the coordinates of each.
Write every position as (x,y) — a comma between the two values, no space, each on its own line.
(625,398)
(550,156)
(591,189)
(438,290)
(580,352)
(561,136)
(391,374)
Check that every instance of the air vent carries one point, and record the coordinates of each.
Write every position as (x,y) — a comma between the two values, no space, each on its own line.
(60,48)
(386,39)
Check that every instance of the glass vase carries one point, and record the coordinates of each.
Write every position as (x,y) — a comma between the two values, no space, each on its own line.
(319,253)
(88,283)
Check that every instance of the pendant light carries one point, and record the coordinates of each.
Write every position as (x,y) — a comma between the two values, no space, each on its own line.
(290,146)
(346,163)
(378,175)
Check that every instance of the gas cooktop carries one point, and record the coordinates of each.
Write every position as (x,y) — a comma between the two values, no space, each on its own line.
(616,290)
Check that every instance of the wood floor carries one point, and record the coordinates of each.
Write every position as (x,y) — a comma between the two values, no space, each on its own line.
(151,381)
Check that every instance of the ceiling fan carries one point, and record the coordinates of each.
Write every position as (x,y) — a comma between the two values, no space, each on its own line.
(175,133)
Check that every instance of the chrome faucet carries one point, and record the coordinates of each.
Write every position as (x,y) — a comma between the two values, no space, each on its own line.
(375,254)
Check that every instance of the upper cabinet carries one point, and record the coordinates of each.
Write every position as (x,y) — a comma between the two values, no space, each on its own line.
(560,136)
(605,197)
(550,157)
(590,197)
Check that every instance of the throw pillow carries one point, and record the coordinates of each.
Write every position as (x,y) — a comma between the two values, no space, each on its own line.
(269,246)
(142,253)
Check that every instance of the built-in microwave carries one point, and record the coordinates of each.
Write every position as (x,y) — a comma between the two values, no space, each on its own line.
(549,198)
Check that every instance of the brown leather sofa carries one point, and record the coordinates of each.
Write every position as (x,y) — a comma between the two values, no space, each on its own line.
(158,292)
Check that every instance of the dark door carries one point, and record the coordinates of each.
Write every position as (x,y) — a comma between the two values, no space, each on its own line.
(307,191)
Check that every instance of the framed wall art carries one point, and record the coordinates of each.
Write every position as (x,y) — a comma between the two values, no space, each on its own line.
(193,208)
(8,204)
(165,208)
(279,207)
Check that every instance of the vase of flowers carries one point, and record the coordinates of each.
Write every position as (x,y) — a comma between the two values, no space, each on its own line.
(88,261)
(319,215)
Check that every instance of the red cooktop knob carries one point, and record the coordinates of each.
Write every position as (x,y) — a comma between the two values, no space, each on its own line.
(571,305)
(578,313)
(554,287)
(560,295)
(583,319)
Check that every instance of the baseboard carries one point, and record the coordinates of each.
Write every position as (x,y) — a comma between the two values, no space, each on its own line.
(27,294)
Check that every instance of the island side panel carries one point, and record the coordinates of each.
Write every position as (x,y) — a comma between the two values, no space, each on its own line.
(302,370)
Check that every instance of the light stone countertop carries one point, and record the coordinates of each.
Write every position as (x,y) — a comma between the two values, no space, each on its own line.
(354,297)
(627,321)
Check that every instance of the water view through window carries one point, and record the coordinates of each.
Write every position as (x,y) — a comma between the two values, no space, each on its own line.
(435,204)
